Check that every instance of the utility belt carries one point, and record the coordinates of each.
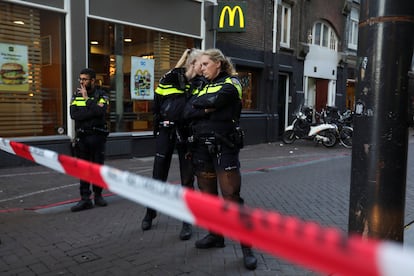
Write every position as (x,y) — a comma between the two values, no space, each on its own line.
(205,140)
(167,123)
(232,140)
(180,131)
(81,132)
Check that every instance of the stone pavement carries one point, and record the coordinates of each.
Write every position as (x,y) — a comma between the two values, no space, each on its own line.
(40,236)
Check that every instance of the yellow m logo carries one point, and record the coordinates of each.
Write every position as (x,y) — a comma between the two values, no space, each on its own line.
(232,14)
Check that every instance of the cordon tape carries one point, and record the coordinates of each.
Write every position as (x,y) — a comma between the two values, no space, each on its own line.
(326,250)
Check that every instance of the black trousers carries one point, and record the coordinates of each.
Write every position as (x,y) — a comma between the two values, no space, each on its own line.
(217,167)
(166,142)
(91,148)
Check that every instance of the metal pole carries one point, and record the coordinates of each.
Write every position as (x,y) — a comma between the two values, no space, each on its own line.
(380,142)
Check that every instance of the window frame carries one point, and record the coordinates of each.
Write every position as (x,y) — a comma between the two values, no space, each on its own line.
(285,19)
(331,40)
(353,29)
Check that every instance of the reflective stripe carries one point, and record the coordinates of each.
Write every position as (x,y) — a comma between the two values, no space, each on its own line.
(80,101)
(167,89)
(215,87)
(237,85)
(102,100)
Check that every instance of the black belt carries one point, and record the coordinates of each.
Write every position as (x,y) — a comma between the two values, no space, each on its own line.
(167,123)
(214,139)
(92,131)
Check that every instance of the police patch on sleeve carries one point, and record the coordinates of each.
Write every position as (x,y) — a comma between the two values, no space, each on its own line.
(235,81)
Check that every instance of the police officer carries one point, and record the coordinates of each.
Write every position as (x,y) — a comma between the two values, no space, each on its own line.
(171,130)
(88,109)
(215,113)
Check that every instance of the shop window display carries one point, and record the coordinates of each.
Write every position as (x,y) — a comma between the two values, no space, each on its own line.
(114,51)
(248,79)
(31,86)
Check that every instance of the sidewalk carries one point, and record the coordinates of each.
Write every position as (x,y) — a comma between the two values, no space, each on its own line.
(40,236)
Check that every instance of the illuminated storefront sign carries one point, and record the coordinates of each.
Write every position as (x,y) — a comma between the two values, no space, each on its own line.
(231,16)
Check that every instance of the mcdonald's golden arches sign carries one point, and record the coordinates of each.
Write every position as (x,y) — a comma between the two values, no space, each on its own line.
(231,16)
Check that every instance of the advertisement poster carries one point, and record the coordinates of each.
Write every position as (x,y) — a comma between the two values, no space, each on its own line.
(13,67)
(142,78)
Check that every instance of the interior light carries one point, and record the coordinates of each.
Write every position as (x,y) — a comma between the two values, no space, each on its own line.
(18,22)
(94,42)
(128,39)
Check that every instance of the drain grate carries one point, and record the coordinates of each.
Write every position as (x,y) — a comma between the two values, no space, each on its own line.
(85,257)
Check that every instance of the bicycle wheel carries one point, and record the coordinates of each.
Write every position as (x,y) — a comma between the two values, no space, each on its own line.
(345,137)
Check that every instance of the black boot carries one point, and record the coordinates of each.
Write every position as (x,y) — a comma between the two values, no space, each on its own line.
(209,241)
(250,261)
(83,204)
(100,201)
(186,231)
(147,221)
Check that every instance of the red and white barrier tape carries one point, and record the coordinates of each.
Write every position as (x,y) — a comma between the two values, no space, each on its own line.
(326,250)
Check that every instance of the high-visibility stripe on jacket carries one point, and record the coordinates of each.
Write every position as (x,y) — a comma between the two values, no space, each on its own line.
(80,101)
(215,87)
(167,89)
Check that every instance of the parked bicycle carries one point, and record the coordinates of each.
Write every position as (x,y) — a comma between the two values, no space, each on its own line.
(344,122)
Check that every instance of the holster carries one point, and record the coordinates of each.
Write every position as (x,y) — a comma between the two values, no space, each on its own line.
(238,137)
(74,147)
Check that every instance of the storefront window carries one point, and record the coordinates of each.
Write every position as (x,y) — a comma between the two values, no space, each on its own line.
(248,79)
(31,85)
(114,51)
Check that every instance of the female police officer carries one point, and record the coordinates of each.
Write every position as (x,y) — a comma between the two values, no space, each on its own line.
(171,130)
(215,113)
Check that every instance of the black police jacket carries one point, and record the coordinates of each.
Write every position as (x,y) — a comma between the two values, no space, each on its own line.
(221,98)
(171,96)
(89,114)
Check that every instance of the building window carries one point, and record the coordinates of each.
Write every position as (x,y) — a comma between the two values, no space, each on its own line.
(248,78)
(32,101)
(353,29)
(112,47)
(285,26)
(324,36)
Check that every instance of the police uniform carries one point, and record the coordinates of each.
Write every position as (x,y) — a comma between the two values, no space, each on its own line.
(216,142)
(171,133)
(216,138)
(91,133)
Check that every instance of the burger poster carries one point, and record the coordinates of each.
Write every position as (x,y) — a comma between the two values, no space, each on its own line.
(13,67)
(142,78)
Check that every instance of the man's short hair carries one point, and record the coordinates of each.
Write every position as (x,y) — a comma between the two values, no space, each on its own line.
(88,71)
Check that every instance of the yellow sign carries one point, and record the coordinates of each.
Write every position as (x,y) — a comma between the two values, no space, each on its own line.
(231,16)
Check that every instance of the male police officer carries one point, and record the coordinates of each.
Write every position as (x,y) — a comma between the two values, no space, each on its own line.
(88,109)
